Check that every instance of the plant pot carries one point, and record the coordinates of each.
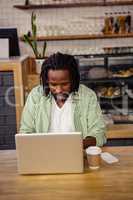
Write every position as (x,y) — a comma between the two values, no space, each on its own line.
(39,63)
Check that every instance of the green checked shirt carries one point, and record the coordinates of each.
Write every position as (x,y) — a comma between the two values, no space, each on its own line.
(88,117)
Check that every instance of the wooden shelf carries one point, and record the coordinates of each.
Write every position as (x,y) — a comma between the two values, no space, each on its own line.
(69,5)
(81,37)
(120,131)
(62,5)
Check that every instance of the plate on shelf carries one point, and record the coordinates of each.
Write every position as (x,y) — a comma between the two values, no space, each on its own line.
(109,92)
(124,73)
(121,76)
(110,97)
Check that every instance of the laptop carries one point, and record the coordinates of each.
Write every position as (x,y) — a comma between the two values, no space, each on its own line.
(49,153)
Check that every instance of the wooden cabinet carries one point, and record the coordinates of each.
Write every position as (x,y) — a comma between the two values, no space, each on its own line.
(123,131)
(33,80)
(19,68)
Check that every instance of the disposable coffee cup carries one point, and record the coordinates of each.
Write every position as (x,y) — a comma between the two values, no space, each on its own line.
(93,157)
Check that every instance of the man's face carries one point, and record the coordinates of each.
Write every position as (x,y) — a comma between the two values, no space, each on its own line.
(59,84)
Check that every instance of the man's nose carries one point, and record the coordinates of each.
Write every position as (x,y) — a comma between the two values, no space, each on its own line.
(58,89)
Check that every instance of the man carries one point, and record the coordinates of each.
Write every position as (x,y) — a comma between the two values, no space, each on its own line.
(61,104)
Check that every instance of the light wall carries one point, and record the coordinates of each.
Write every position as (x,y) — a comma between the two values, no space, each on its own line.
(82,20)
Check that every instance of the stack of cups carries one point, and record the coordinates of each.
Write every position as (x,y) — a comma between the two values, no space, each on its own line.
(94,157)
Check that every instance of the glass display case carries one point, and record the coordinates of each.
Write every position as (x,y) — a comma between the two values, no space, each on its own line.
(111,77)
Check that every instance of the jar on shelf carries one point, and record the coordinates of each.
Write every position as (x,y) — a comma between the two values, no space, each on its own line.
(116,25)
(121,21)
(27,2)
(128,22)
(108,27)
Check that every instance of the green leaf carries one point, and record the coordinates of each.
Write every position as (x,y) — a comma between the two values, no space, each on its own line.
(32,40)
(44,48)
(28,40)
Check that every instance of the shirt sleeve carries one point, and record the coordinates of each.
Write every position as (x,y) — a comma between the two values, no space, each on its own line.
(95,122)
(27,124)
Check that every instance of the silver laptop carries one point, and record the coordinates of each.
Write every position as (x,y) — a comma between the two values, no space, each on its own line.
(49,153)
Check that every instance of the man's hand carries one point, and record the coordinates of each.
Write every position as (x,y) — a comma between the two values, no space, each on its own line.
(89,141)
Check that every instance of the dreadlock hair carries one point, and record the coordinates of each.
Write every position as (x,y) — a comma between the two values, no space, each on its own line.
(59,61)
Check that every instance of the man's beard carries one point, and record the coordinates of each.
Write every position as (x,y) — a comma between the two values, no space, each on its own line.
(61,96)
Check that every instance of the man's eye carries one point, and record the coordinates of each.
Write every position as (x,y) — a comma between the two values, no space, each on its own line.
(64,84)
(53,85)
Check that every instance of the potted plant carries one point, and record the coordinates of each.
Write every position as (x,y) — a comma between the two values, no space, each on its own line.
(31,39)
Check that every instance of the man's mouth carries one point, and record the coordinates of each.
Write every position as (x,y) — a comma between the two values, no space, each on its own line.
(61,96)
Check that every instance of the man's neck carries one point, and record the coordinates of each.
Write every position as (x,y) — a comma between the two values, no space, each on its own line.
(60,103)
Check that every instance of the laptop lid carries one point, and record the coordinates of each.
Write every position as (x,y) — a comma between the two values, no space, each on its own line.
(49,153)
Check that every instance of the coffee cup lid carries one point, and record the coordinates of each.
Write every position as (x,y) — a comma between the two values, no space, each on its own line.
(93,150)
